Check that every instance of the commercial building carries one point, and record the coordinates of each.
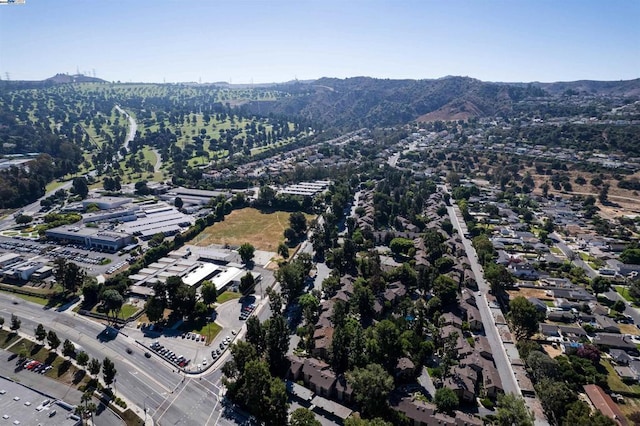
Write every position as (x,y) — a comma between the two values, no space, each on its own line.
(21,271)
(90,237)
(9,258)
(193,270)
(201,273)
(20,405)
(193,196)
(308,189)
(106,203)
(151,220)
(123,214)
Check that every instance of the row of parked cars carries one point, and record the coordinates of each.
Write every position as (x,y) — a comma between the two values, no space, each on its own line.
(215,353)
(193,336)
(78,257)
(117,266)
(247,311)
(179,360)
(36,366)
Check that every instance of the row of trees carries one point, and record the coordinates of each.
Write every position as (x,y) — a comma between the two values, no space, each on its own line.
(252,376)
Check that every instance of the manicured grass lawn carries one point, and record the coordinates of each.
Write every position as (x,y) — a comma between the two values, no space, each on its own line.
(62,369)
(208,329)
(226,296)
(264,230)
(7,338)
(51,186)
(624,292)
(35,299)
(615,383)
(549,303)
(556,250)
(127,311)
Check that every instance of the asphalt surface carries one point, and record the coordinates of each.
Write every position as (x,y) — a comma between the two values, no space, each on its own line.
(502,362)
(149,383)
(53,388)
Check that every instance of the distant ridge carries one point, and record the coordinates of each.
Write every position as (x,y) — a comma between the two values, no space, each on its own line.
(364,101)
(76,78)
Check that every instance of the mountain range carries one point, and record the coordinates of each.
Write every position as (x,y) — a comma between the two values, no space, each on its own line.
(364,101)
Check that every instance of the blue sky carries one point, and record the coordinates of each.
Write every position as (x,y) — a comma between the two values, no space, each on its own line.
(279,40)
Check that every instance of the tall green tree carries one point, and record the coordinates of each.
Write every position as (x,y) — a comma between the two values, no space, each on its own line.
(247,283)
(555,397)
(82,358)
(298,222)
(579,413)
(600,285)
(209,292)
(184,300)
(94,367)
(524,317)
(40,333)
(283,251)
(446,400)
(15,323)
(291,278)
(80,187)
(112,301)
(445,289)
(108,371)
(512,411)
(68,348)
(277,339)
(371,387)
(154,308)
(303,417)
(256,334)
(53,340)
(246,252)
(498,276)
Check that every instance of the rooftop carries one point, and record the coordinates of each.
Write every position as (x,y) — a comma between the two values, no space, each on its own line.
(23,405)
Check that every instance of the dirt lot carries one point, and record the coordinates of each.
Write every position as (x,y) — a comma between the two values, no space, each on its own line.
(529,292)
(627,201)
(629,329)
(551,351)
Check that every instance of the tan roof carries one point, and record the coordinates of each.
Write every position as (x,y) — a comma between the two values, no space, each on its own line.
(603,403)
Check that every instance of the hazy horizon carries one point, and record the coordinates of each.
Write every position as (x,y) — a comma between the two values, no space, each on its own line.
(246,42)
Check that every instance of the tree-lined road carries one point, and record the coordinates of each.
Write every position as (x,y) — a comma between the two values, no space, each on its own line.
(147,382)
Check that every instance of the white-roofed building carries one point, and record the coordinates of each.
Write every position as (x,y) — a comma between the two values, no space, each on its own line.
(226,278)
(203,272)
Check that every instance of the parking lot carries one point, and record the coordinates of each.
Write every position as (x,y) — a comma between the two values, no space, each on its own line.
(188,350)
(95,262)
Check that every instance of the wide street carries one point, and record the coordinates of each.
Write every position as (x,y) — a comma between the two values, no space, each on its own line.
(150,383)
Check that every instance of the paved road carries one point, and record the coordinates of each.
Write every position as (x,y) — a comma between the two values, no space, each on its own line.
(503,364)
(146,382)
(53,388)
(501,359)
(570,254)
(133,128)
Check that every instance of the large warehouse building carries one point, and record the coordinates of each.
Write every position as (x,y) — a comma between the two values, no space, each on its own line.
(20,405)
(90,237)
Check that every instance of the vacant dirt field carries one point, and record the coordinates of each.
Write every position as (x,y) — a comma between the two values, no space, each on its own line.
(551,351)
(529,292)
(629,329)
(624,201)
(263,230)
